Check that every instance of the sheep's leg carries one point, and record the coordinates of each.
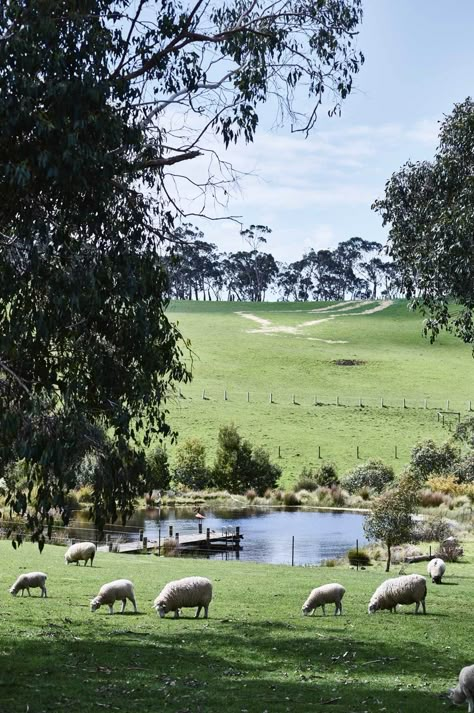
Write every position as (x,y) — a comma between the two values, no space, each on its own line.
(176,614)
(470,703)
(28,590)
(198,611)
(424,608)
(206,609)
(43,592)
(111,608)
(132,599)
(324,610)
(124,601)
(77,563)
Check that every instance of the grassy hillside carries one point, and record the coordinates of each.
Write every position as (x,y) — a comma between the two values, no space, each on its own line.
(256,652)
(294,360)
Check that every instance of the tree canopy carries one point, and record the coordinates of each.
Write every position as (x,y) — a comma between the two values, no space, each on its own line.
(88,157)
(429,206)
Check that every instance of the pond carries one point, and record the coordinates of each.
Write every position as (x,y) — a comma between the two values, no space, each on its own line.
(267,533)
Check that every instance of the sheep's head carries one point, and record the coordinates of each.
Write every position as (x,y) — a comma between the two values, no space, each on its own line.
(13,591)
(373,607)
(456,696)
(305,610)
(66,559)
(95,604)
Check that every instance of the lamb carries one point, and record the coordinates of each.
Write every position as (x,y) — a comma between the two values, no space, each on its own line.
(80,551)
(464,691)
(436,569)
(109,593)
(30,580)
(186,592)
(408,589)
(326,594)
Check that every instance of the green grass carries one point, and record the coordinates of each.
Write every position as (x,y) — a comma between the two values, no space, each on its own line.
(399,363)
(256,652)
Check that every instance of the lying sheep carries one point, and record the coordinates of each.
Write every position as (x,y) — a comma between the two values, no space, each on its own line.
(464,691)
(30,580)
(326,594)
(109,593)
(80,551)
(436,569)
(187,592)
(408,589)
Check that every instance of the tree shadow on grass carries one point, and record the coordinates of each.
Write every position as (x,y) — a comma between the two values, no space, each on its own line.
(204,669)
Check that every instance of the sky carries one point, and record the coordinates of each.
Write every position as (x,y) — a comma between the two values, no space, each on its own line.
(316,192)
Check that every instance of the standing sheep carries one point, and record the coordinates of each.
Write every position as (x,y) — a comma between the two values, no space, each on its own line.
(121,589)
(464,691)
(186,592)
(32,579)
(326,594)
(436,569)
(408,589)
(80,551)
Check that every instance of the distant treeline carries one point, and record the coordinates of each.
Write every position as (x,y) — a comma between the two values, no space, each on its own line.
(352,270)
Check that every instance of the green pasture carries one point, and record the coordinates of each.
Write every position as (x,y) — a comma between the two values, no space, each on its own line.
(391,399)
(255,653)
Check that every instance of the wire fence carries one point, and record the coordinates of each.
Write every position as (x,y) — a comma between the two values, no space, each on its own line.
(277,397)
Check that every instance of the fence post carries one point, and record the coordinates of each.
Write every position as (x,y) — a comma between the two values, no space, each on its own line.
(357,451)
(279,452)
(404,403)
(337,400)
(294,399)
(200,527)
(140,534)
(469,405)
(225,394)
(381,402)
(171,530)
(426,403)
(357,555)
(111,544)
(447,404)
(248,396)
(319,452)
(203,394)
(396,452)
(145,544)
(159,541)
(271,398)
(292,550)
(176,537)
(360,402)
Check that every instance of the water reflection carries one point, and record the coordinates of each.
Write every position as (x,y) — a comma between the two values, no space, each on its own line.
(267,533)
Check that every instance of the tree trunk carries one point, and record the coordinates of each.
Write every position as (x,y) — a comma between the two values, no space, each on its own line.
(389,558)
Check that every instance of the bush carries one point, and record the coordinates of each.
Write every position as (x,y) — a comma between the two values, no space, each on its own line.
(358,557)
(327,475)
(85,494)
(427,458)
(238,466)
(374,475)
(445,484)
(190,469)
(432,499)
(251,494)
(158,474)
(464,469)
(432,529)
(291,499)
(306,481)
(310,480)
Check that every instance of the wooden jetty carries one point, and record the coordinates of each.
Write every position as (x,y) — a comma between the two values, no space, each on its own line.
(208,540)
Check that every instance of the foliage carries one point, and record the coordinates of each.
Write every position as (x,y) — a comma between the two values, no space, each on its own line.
(306,481)
(432,529)
(158,474)
(87,152)
(429,206)
(190,468)
(448,484)
(358,557)
(238,466)
(290,499)
(374,474)
(463,469)
(428,498)
(311,479)
(390,520)
(427,457)
(464,431)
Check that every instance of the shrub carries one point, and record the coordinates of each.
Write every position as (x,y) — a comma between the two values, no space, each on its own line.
(358,557)
(251,494)
(328,563)
(169,548)
(445,484)
(306,481)
(432,499)
(291,499)
(327,475)
(310,480)
(432,529)
(238,466)
(190,469)
(158,474)
(85,494)
(374,475)
(464,469)
(428,458)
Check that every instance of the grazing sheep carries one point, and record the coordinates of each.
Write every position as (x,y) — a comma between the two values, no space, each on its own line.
(30,580)
(408,589)
(186,592)
(436,569)
(80,551)
(327,594)
(464,691)
(109,593)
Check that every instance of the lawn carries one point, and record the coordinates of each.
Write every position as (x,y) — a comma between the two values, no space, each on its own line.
(256,652)
(238,362)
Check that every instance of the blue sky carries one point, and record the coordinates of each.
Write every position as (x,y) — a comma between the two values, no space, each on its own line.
(317,191)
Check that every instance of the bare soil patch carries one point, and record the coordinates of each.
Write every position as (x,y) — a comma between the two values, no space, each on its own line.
(348,362)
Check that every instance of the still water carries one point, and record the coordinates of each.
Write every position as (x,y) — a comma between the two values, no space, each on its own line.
(267,533)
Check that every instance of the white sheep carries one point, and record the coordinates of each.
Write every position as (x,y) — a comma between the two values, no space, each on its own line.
(109,593)
(436,569)
(408,589)
(186,592)
(326,594)
(464,691)
(80,551)
(30,580)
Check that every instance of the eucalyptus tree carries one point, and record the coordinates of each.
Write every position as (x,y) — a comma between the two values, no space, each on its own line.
(104,106)
(429,206)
